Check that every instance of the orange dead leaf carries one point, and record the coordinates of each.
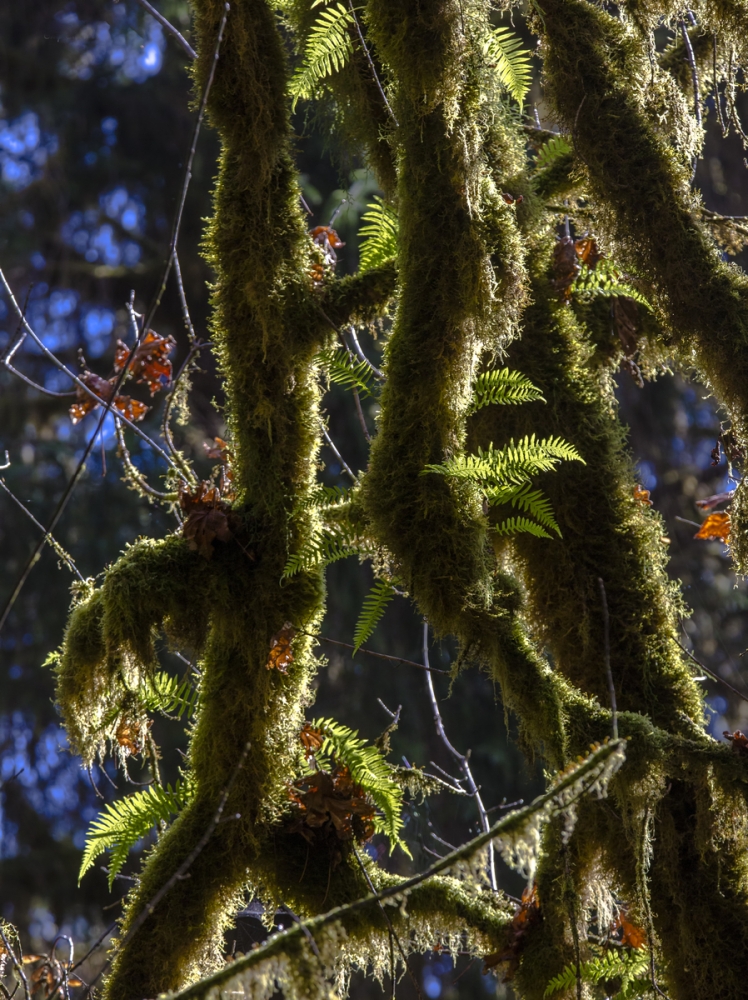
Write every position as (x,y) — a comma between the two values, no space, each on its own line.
(133,409)
(325,236)
(631,936)
(150,363)
(329,804)
(524,920)
(206,518)
(716,528)
(642,495)
(739,741)
(588,251)
(565,265)
(311,739)
(129,735)
(281,654)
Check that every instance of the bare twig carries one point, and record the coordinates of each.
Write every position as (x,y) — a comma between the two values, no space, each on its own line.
(382,656)
(333,448)
(370,61)
(515,821)
(717,96)
(351,331)
(132,473)
(51,541)
(189,326)
(169,27)
(462,759)
(361,418)
(17,965)
(608,671)
(711,673)
(694,72)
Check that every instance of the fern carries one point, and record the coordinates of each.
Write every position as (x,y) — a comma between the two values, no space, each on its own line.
(511,60)
(325,496)
(328,48)
(533,502)
(371,771)
(605,281)
(164,693)
(375,604)
(512,464)
(327,546)
(344,371)
(521,526)
(379,241)
(124,822)
(552,151)
(502,386)
(613,965)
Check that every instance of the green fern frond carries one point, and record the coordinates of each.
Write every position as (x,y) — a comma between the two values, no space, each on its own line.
(371,771)
(344,371)
(605,281)
(375,605)
(379,235)
(328,48)
(327,546)
(167,694)
(532,501)
(511,60)
(124,822)
(504,387)
(512,464)
(520,526)
(551,151)
(613,965)
(325,496)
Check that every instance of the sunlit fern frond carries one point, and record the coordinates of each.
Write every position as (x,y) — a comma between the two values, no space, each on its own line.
(532,501)
(552,151)
(342,369)
(328,48)
(378,235)
(514,463)
(513,63)
(374,606)
(329,544)
(502,386)
(122,823)
(605,281)
(371,771)
(626,966)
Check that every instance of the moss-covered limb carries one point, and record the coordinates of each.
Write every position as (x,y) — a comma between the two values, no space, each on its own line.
(108,646)
(594,71)
(606,533)
(266,335)
(360,298)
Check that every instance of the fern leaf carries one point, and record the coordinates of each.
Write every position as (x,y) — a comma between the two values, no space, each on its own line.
(514,463)
(612,965)
(370,770)
(551,151)
(375,605)
(504,387)
(124,822)
(327,546)
(520,526)
(512,61)
(344,371)
(532,502)
(379,235)
(605,281)
(165,693)
(328,48)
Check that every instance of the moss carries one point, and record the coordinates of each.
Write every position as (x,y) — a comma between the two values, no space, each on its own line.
(606,533)
(361,298)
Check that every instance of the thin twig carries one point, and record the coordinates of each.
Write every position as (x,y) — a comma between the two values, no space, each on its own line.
(333,448)
(370,61)
(132,473)
(361,418)
(711,673)
(382,656)
(606,647)
(195,348)
(169,27)
(694,72)
(191,335)
(52,542)
(717,96)
(510,824)
(393,932)
(351,331)
(182,870)
(462,759)
(18,966)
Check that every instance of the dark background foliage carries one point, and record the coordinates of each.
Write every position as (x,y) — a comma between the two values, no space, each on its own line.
(95,123)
